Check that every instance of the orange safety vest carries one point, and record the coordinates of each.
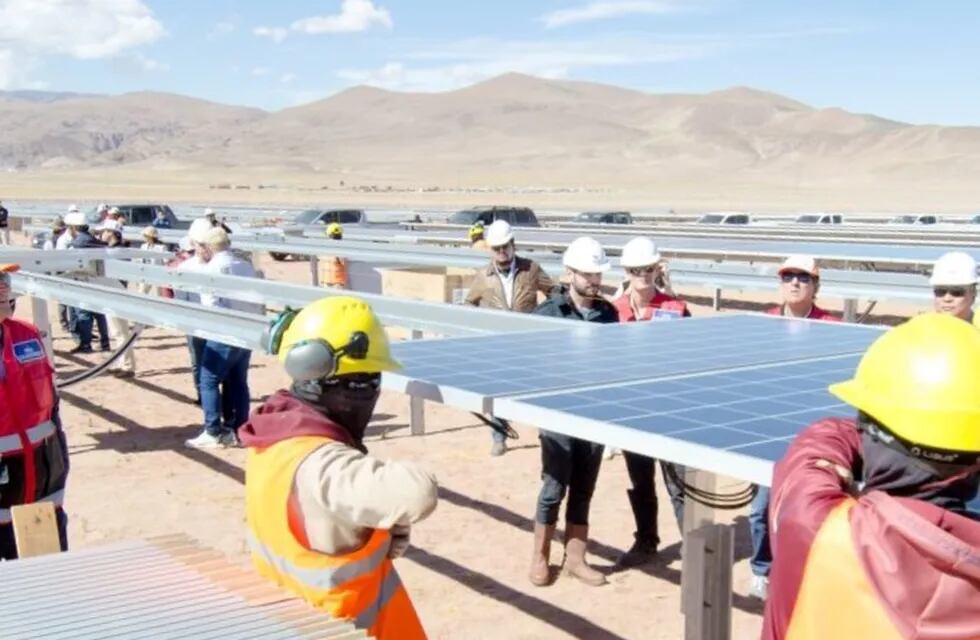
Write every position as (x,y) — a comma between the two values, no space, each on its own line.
(336,273)
(361,586)
(836,599)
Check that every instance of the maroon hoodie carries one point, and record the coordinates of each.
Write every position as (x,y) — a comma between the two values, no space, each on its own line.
(284,416)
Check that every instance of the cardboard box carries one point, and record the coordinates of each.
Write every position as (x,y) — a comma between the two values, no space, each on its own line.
(434,284)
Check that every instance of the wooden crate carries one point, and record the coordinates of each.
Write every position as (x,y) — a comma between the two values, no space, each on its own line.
(434,284)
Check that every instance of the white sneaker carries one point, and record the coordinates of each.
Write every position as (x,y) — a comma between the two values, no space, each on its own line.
(760,587)
(205,441)
(609,453)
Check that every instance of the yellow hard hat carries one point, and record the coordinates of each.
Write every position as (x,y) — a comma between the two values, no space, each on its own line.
(476,230)
(921,381)
(333,336)
(334,230)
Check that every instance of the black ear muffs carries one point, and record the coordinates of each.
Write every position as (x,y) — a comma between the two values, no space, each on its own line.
(316,359)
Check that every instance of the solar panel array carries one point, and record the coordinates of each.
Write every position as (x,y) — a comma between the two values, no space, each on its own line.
(724,393)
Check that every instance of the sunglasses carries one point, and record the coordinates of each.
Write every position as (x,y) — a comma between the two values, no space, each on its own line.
(802,276)
(641,271)
(956,292)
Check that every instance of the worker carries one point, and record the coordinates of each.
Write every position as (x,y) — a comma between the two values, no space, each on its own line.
(871,534)
(569,464)
(4,225)
(335,272)
(509,282)
(954,286)
(645,298)
(799,282)
(64,240)
(325,517)
(799,278)
(211,217)
(29,423)
(476,236)
(83,320)
(151,242)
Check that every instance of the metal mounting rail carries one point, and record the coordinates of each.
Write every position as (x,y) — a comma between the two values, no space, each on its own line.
(224,325)
(36,260)
(409,314)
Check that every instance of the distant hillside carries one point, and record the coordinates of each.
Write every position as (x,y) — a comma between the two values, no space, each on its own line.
(510,130)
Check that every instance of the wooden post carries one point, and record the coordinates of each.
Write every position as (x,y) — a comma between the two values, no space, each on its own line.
(850,310)
(41,320)
(315,270)
(707,583)
(416,417)
(716,299)
(35,529)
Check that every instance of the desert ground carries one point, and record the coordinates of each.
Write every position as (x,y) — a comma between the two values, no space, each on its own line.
(132,478)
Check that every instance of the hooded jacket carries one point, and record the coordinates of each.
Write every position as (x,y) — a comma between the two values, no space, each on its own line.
(872,566)
(343,494)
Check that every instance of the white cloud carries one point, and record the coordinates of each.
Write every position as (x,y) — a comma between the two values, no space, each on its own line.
(221,29)
(355,15)
(276,34)
(149,64)
(286,78)
(260,71)
(84,29)
(457,64)
(606,10)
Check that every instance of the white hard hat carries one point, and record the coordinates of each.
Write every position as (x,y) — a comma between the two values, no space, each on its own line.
(185,244)
(75,218)
(199,230)
(208,211)
(806,264)
(114,211)
(954,268)
(110,225)
(639,252)
(499,233)
(103,206)
(585,255)
(73,208)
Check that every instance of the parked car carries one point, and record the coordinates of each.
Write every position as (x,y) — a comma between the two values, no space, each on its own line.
(724,217)
(820,218)
(914,219)
(319,217)
(516,216)
(605,217)
(975,219)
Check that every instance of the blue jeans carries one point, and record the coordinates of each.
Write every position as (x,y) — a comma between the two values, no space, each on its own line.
(81,321)
(761,559)
(224,387)
(196,345)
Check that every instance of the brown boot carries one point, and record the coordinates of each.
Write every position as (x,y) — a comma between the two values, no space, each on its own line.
(540,574)
(576,539)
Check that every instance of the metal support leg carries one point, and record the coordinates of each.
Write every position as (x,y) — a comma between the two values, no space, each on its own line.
(39,316)
(706,578)
(416,419)
(315,270)
(716,300)
(850,310)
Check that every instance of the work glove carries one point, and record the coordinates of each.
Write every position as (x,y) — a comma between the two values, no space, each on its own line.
(400,534)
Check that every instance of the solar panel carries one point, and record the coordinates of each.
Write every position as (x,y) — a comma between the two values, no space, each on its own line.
(736,422)
(588,354)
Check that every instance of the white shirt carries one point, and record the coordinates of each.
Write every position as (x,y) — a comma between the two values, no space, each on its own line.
(225,263)
(63,241)
(191,264)
(508,282)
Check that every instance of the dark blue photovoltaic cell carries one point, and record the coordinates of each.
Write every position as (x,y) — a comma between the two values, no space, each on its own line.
(733,411)
(590,355)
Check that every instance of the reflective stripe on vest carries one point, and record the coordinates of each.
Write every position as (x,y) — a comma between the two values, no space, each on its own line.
(35,435)
(58,498)
(389,587)
(329,578)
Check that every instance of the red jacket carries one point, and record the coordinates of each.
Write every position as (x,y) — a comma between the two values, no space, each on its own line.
(668,306)
(875,566)
(33,455)
(816,313)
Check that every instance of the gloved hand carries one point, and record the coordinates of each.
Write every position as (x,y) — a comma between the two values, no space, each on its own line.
(400,534)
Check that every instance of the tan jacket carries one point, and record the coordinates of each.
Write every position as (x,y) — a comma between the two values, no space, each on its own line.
(486,290)
(345,494)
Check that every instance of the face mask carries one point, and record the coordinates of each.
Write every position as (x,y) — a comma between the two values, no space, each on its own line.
(347,400)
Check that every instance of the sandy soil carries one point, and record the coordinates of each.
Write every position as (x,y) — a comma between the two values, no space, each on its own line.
(131,478)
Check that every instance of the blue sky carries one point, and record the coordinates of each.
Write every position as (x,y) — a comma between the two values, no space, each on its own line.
(912,61)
